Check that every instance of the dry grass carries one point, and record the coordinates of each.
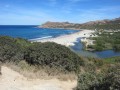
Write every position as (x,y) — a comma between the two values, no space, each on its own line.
(35,72)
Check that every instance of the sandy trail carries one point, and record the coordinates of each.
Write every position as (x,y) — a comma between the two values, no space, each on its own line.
(12,80)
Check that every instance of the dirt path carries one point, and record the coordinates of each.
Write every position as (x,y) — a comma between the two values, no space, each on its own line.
(11,80)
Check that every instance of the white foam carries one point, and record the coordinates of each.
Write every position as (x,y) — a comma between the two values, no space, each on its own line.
(46,37)
(68,40)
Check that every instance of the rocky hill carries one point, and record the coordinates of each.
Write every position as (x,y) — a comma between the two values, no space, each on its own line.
(102,24)
(65,25)
(99,24)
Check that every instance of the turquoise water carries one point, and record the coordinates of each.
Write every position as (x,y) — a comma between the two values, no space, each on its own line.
(32,32)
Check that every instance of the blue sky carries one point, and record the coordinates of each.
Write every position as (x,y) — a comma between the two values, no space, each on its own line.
(36,12)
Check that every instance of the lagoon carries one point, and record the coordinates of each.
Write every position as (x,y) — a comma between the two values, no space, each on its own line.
(78,48)
(35,33)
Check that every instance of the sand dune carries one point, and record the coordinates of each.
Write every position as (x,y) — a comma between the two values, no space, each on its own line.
(11,80)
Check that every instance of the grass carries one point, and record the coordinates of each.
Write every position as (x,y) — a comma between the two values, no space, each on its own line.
(112,60)
(38,72)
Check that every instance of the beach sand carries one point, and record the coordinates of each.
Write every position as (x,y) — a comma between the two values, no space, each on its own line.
(68,40)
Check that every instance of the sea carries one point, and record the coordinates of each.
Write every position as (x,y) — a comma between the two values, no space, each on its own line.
(32,32)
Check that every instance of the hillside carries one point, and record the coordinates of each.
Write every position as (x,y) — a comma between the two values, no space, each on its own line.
(47,54)
(61,25)
(99,24)
(103,24)
(52,63)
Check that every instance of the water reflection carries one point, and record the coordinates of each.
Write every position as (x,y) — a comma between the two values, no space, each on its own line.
(78,48)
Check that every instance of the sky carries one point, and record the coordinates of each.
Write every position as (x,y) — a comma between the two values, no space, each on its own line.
(36,12)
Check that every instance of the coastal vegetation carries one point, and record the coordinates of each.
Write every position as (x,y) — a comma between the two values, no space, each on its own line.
(47,54)
(54,59)
(106,41)
(105,79)
(112,60)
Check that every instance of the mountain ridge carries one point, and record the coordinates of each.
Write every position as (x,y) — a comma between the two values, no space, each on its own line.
(98,24)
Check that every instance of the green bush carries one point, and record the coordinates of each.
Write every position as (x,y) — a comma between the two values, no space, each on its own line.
(111,79)
(10,50)
(107,41)
(53,55)
(108,79)
(44,54)
(116,47)
(89,81)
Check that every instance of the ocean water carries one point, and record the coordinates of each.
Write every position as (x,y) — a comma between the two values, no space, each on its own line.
(32,32)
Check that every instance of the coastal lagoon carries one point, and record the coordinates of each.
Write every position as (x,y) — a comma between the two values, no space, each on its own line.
(35,33)
(78,48)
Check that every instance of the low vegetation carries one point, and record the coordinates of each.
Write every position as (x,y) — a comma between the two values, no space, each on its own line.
(109,79)
(46,59)
(112,60)
(52,55)
(107,40)
(47,54)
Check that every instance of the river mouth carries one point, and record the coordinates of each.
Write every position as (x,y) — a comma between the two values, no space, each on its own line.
(78,48)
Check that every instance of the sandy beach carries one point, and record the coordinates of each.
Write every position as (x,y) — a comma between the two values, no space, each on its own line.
(68,40)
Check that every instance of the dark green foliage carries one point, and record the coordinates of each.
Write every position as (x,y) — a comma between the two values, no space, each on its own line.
(111,79)
(91,64)
(95,74)
(116,47)
(107,41)
(107,78)
(89,81)
(10,50)
(44,54)
(53,55)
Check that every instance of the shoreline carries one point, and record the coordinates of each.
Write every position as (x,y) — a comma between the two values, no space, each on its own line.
(60,28)
(68,40)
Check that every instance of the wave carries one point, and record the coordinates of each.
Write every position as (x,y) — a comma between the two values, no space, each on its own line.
(46,37)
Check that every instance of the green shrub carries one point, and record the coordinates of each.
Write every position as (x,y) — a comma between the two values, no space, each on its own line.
(53,55)
(10,50)
(89,81)
(108,79)
(43,54)
(112,79)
